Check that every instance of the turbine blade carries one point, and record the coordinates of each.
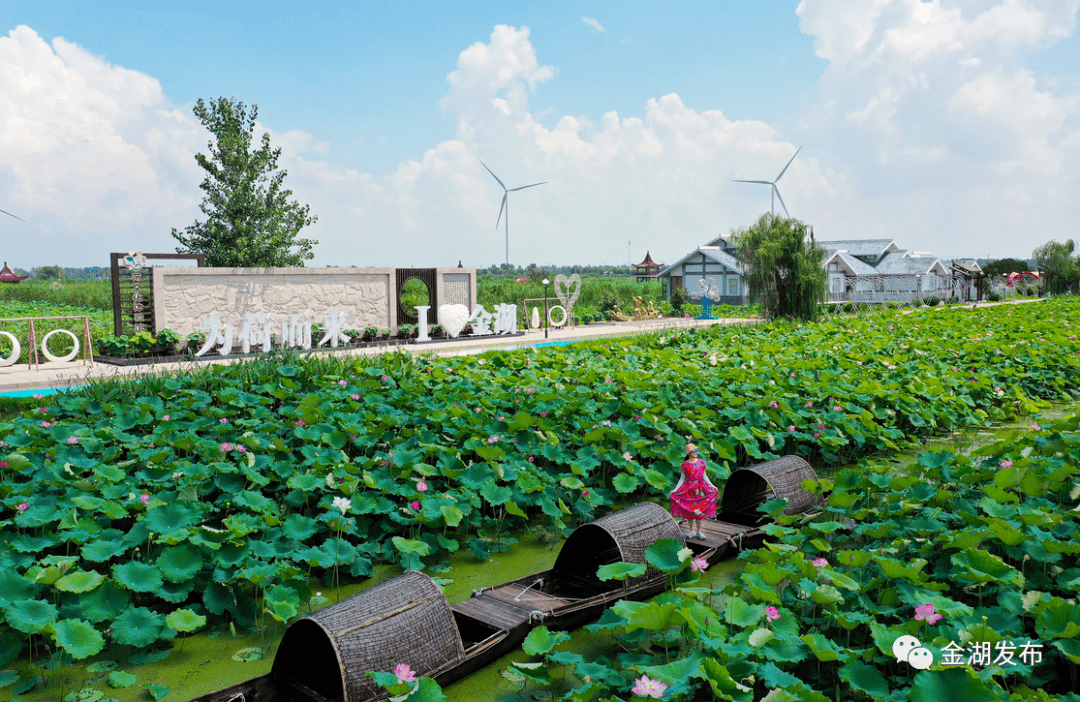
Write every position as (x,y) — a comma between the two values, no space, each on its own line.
(788,163)
(763,182)
(777,191)
(11,215)
(514,190)
(501,208)
(492,174)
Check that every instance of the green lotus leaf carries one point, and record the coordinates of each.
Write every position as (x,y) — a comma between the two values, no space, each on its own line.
(172,517)
(104,603)
(496,494)
(177,592)
(621,571)
(102,549)
(541,640)
(452,514)
(950,684)
(157,691)
(664,554)
(246,655)
(14,587)
(283,603)
(625,483)
(179,563)
(120,679)
(101,667)
(865,678)
(80,581)
(421,548)
(739,613)
(27,543)
(218,599)
(760,637)
(147,657)
(647,615)
(137,576)
(979,566)
(8,677)
(185,620)
(30,616)
(299,528)
(78,638)
(138,626)
(87,694)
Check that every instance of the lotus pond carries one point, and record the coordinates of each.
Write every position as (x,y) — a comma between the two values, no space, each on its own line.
(138,513)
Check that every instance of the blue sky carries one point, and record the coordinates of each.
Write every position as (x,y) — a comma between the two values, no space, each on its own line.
(951,127)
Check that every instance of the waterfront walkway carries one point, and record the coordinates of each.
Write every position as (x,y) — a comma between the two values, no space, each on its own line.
(18,379)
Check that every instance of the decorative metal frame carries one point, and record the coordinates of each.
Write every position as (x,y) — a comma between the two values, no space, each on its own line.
(128,278)
(427,276)
(32,357)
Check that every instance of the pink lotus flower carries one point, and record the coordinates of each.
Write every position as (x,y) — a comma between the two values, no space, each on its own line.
(72,440)
(301,423)
(837,408)
(543,414)
(421,486)
(478,410)
(637,416)
(226,447)
(531,459)
(809,403)
(926,613)
(384,378)
(355,396)
(415,505)
(240,448)
(1006,464)
(585,493)
(23,507)
(145,499)
(492,439)
(820,562)
(342,382)
(774,404)
(46,424)
(223,420)
(1034,427)
(404,674)
(3,464)
(166,418)
(645,687)
(37,395)
(699,565)
(771,613)
(816,435)
(791,427)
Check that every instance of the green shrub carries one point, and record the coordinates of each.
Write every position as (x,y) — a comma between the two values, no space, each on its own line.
(406,331)
(113,345)
(933,301)
(679,297)
(168,337)
(993,297)
(370,333)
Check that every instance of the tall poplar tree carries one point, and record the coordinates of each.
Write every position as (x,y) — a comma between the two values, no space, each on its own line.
(250,220)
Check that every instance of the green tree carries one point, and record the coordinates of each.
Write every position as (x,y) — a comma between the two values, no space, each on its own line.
(48,273)
(1001,267)
(250,221)
(1058,267)
(783,268)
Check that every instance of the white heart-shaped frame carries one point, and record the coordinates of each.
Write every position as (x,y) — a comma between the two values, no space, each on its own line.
(572,285)
(453,318)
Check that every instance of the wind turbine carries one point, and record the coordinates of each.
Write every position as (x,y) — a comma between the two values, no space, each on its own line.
(772,183)
(506,206)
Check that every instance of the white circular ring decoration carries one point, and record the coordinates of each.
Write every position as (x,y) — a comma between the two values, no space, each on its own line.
(562,320)
(68,357)
(16,349)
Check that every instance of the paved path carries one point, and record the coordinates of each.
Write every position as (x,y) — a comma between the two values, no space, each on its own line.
(61,375)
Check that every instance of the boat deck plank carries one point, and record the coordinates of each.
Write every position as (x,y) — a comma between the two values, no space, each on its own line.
(721,534)
(527,597)
(491,611)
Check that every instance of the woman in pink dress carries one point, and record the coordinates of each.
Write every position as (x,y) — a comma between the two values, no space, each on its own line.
(694,498)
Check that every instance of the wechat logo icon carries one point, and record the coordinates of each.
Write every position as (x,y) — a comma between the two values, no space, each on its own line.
(910,650)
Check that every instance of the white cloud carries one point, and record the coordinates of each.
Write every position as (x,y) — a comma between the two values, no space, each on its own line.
(596,26)
(929,129)
(951,142)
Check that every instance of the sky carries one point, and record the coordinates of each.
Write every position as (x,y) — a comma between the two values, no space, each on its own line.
(952,127)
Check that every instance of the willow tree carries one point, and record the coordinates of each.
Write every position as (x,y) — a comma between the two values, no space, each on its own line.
(1059,266)
(783,267)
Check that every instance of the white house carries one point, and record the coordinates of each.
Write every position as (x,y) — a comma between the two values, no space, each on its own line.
(716,264)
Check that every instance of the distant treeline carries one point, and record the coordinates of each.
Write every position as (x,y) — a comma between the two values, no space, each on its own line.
(57,272)
(533,271)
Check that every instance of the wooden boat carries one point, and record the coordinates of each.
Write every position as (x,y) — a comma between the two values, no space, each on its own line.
(737,524)
(324,656)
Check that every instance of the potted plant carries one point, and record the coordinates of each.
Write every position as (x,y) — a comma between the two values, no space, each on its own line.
(169,341)
(437,332)
(405,331)
(371,333)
